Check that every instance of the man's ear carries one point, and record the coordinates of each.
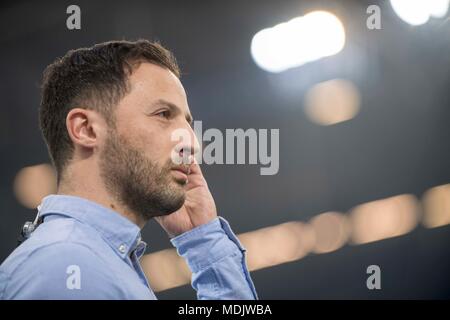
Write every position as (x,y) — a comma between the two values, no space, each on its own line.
(86,127)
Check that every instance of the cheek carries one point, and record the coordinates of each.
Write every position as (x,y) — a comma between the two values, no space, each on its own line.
(156,144)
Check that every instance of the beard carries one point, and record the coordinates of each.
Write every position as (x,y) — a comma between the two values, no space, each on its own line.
(137,182)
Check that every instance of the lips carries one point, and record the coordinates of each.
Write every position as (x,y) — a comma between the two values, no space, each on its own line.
(184,169)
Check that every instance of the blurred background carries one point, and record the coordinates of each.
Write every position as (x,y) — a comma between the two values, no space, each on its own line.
(364,119)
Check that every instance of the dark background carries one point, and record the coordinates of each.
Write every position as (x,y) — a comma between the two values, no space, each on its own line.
(398,143)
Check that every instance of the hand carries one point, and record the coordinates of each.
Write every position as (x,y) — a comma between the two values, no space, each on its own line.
(199,207)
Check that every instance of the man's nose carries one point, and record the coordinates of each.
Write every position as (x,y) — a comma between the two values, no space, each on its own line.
(188,149)
(190,145)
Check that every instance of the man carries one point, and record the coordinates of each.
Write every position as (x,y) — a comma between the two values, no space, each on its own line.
(107,115)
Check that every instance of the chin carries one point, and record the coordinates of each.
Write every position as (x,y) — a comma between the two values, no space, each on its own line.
(176,205)
(179,193)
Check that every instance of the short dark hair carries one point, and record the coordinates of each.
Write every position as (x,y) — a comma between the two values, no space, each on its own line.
(92,78)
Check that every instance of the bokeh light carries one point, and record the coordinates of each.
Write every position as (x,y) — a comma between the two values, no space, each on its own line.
(303,39)
(436,203)
(331,231)
(332,102)
(382,219)
(33,183)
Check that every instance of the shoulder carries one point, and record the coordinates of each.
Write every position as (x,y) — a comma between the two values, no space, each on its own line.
(58,267)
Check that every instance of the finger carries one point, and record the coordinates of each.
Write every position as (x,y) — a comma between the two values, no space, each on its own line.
(195,167)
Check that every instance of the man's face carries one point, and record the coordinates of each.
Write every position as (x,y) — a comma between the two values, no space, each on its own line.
(136,159)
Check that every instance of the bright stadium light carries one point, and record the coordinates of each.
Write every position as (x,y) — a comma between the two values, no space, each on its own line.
(332,101)
(436,204)
(417,12)
(33,183)
(303,39)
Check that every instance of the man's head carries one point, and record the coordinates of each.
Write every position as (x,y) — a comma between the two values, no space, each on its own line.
(114,107)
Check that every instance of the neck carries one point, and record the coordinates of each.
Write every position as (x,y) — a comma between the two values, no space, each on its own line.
(91,187)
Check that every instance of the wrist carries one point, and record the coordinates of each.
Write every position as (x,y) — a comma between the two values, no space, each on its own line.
(207,244)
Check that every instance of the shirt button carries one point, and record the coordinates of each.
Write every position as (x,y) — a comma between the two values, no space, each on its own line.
(122,248)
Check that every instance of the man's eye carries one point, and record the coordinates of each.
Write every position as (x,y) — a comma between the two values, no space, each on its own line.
(164,114)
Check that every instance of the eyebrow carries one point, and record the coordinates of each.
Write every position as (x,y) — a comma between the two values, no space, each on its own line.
(174,108)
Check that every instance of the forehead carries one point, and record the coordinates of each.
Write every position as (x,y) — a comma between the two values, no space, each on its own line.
(150,83)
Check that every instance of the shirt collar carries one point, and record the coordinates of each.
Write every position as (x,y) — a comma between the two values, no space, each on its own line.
(120,233)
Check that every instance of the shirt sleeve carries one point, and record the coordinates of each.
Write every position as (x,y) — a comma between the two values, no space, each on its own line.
(63,271)
(217,261)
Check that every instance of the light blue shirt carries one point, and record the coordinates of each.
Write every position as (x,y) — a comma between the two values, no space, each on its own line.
(83,250)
